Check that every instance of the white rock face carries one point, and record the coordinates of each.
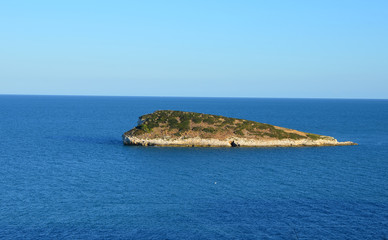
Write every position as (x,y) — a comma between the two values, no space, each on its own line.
(230,142)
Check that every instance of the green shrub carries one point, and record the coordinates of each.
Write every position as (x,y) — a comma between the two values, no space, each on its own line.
(172,123)
(145,128)
(294,136)
(209,130)
(313,136)
(209,120)
(152,124)
(196,119)
(184,126)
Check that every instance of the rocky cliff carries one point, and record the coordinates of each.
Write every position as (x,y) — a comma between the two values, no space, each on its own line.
(177,128)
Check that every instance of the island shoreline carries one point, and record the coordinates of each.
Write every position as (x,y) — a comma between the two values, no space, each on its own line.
(192,142)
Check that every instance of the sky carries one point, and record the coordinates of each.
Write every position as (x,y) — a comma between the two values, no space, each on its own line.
(201,48)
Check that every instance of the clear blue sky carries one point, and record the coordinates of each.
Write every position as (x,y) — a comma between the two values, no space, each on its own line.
(334,49)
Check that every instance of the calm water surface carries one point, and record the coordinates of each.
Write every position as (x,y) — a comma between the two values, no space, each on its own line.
(66,175)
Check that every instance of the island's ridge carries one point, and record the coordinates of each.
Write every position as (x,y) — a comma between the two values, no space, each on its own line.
(191,129)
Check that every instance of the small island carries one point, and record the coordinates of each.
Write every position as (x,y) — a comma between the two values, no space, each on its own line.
(190,129)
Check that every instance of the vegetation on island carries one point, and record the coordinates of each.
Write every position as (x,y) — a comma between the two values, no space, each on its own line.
(168,123)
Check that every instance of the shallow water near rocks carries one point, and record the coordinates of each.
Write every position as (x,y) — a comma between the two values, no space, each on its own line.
(66,174)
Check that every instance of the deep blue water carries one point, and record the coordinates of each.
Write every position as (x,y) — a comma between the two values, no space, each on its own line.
(64,173)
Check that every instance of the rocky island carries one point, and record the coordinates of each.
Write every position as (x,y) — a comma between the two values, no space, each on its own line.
(190,129)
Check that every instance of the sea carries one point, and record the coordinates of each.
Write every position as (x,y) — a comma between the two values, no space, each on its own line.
(65,173)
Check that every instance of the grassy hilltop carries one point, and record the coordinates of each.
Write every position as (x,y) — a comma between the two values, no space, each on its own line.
(178,124)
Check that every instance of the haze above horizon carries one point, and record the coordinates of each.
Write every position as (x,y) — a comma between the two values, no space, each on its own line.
(280,49)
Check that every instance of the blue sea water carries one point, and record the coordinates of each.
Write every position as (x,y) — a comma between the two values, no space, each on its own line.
(65,174)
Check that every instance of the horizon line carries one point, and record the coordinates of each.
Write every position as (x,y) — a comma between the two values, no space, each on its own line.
(97,95)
